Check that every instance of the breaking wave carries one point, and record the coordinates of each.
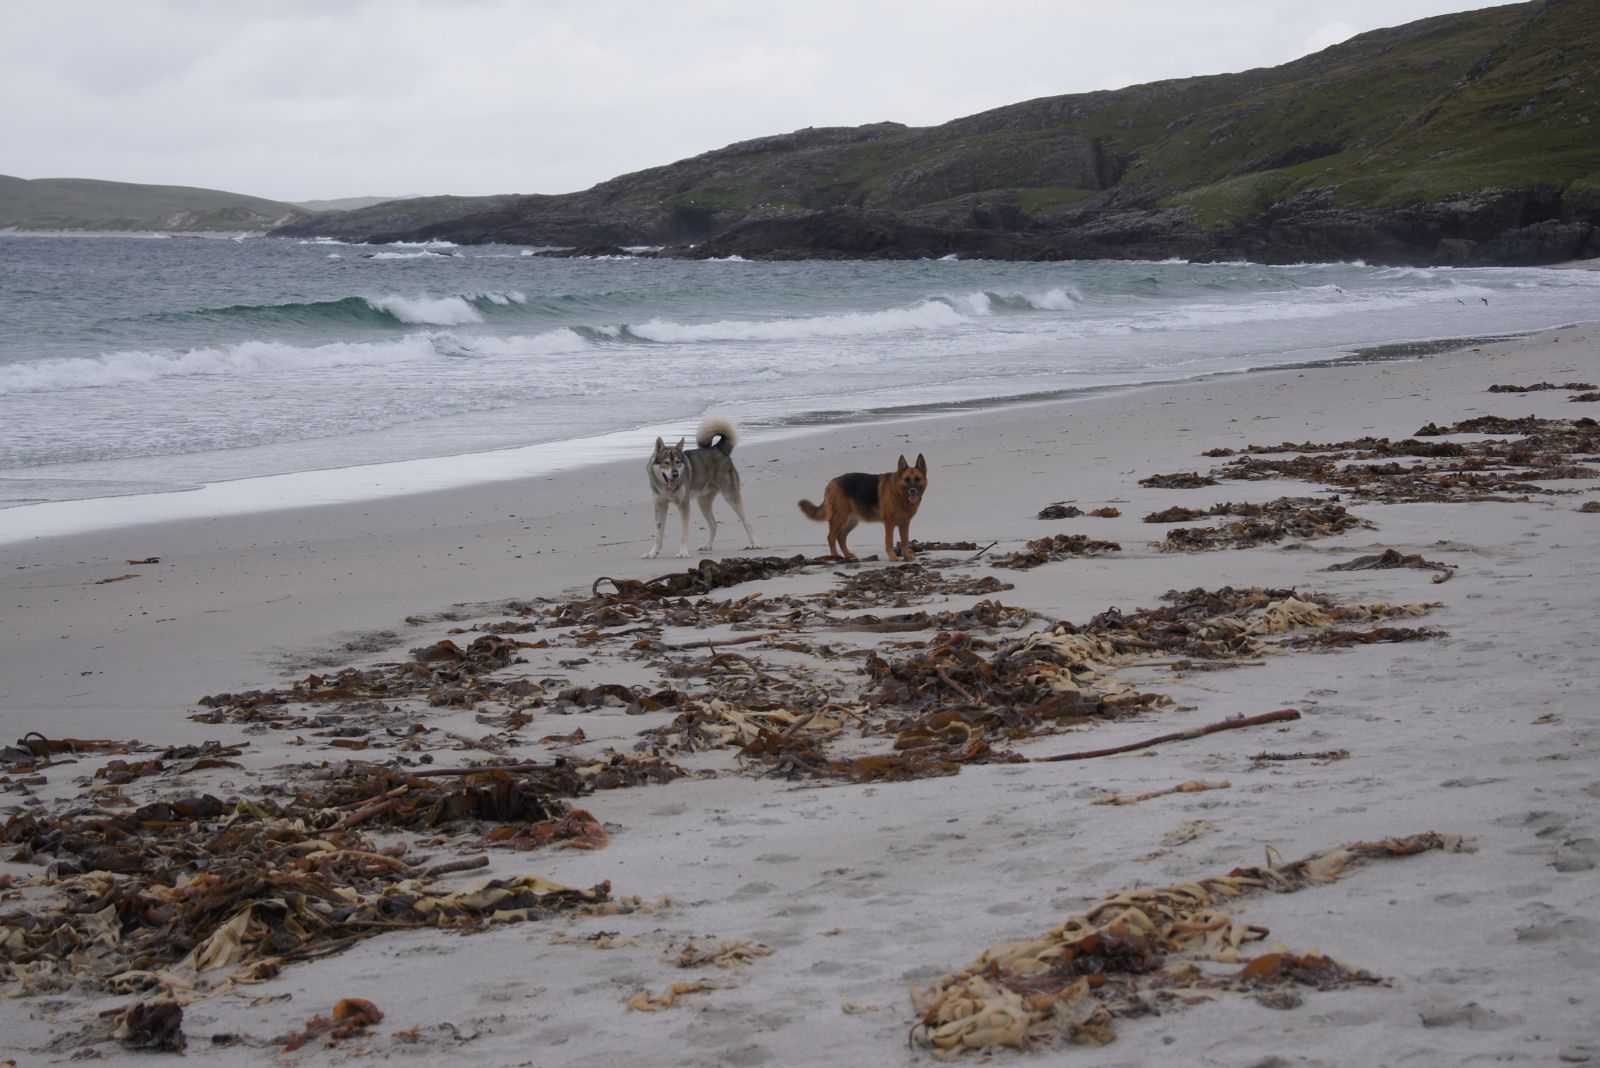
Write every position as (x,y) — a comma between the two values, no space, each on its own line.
(251,357)
(273,358)
(926,315)
(388,310)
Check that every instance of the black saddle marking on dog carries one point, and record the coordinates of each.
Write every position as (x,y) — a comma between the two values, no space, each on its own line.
(862,489)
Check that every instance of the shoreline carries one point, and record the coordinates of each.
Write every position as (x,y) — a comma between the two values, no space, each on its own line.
(374,482)
(1482,727)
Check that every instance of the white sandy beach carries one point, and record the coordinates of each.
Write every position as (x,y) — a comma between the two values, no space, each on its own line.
(863,891)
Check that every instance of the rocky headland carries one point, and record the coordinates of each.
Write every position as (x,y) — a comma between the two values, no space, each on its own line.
(1467,139)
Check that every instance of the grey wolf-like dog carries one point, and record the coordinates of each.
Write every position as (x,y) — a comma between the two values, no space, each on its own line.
(679,475)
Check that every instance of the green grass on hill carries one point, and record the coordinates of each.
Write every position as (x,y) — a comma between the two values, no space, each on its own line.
(90,204)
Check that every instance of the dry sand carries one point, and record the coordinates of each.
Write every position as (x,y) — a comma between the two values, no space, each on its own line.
(863,891)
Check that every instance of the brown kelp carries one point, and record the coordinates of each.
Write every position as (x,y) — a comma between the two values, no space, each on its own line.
(1136,952)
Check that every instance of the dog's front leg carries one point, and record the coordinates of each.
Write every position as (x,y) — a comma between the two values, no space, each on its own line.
(683,543)
(661,529)
(905,540)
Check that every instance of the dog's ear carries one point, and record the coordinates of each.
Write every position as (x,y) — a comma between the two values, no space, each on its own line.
(660,444)
(679,446)
(902,465)
(921,465)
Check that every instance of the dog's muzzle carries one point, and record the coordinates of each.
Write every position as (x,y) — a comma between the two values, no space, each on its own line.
(912,493)
(671,479)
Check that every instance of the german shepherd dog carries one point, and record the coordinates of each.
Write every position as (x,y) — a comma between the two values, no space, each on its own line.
(891,498)
(679,475)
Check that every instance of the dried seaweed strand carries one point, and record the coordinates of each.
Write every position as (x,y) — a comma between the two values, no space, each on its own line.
(1279,716)
(1133,948)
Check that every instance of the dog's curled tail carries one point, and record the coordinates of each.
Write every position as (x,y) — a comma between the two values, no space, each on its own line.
(715,428)
(812,511)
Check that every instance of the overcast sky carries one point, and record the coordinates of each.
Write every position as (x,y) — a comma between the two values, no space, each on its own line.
(311,99)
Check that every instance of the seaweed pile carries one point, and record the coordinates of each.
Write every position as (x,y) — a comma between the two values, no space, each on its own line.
(706,576)
(443,674)
(374,707)
(1491,469)
(1063,510)
(1392,558)
(34,750)
(1179,480)
(958,698)
(1137,952)
(195,894)
(1287,517)
(1056,547)
(1576,387)
(991,615)
(1228,624)
(898,587)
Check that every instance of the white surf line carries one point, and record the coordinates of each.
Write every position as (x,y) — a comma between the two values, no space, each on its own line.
(340,485)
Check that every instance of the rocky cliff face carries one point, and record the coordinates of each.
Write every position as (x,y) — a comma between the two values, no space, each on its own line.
(1502,229)
(1463,139)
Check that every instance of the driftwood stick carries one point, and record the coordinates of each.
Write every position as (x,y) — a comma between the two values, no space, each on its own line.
(454,865)
(725,658)
(708,643)
(362,815)
(788,732)
(1279,716)
(483,743)
(367,802)
(316,861)
(956,686)
(435,773)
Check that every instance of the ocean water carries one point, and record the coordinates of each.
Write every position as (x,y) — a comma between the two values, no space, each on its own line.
(134,366)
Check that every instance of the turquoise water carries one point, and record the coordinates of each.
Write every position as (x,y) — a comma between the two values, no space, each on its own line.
(132,365)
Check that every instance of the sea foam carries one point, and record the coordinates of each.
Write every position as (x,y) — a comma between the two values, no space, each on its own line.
(251,357)
(926,315)
(433,311)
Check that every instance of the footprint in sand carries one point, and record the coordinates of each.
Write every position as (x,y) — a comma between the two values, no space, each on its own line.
(1472,1016)
(1558,929)
(745,1056)
(798,910)
(1469,780)
(1455,900)
(1008,908)
(1577,854)
(506,991)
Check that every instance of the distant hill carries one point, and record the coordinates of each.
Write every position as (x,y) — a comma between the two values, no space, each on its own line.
(347,203)
(89,204)
(1465,138)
